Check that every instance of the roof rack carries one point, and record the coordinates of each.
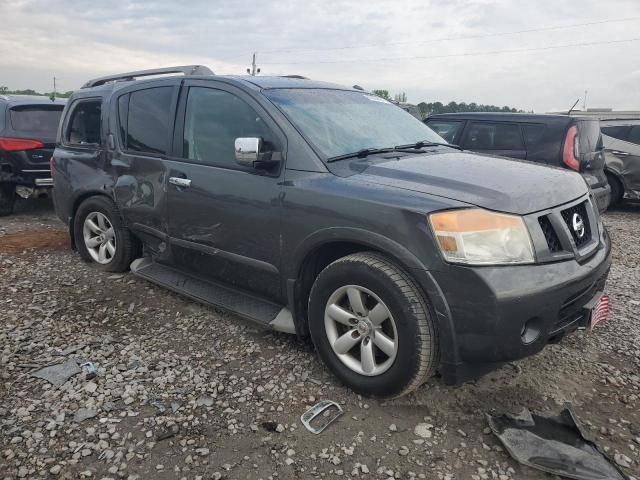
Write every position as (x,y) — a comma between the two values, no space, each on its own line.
(299,77)
(187,70)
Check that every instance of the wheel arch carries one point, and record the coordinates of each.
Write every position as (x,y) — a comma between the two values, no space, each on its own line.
(322,248)
(617,177)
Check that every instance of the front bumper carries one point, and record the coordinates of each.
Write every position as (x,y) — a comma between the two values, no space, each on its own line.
(29,177)
(500,314)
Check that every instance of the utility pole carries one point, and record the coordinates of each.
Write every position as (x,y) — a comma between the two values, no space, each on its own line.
(53,94)
(253,70)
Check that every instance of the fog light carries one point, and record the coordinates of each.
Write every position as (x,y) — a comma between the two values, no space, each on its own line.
(530,331)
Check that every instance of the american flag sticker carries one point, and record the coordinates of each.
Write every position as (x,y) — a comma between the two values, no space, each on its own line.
(600,312)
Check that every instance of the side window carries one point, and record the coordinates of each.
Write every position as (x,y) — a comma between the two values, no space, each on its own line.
(450,130)
(83,127)
(532,133)
(147,119)
(634,135)
(619,132)
(213,121)
(494,136)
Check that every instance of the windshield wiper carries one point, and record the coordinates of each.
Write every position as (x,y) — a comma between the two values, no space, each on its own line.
(424,143)
(398,148)
(360,154)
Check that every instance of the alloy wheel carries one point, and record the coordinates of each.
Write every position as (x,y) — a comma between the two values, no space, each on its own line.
(361,330)
(99,237)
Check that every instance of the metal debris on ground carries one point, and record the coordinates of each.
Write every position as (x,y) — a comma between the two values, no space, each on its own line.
(328,409)
(90,369)
(58,374)
(555,445)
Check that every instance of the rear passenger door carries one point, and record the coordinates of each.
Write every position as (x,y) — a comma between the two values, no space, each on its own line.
(497,138)
(224,222)
(145,118)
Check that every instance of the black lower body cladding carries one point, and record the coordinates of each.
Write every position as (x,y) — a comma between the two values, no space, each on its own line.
(500,314)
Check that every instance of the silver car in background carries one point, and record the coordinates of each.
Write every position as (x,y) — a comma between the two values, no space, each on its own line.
(621,140)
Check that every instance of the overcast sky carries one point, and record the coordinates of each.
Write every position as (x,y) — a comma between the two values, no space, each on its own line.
(373,43)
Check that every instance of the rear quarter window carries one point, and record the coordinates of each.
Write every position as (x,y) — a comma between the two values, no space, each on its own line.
(532,133)
(493,136)
(36,119)
(83,127)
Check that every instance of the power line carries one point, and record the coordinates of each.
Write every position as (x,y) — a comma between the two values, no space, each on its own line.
(466,54)
(446,39)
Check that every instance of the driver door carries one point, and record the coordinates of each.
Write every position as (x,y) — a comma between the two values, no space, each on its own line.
(224,218)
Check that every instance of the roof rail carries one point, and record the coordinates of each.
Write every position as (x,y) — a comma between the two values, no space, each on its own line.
(187,70)
(299,77)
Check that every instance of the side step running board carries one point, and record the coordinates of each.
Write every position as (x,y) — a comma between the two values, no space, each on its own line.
(253,308)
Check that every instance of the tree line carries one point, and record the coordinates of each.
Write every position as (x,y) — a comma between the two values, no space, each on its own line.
(431,108)
(5,91)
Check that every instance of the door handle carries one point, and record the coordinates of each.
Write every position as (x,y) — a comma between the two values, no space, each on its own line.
(180,182)
(617,152)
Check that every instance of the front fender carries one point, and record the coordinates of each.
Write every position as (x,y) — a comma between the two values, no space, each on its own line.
(449,357)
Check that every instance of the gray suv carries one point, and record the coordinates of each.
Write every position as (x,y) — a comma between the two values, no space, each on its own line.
(328,212)
(622,158)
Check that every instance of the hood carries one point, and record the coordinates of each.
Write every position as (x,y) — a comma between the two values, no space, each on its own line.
(494,183)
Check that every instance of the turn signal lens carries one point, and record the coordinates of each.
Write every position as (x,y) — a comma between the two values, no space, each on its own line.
(480,237)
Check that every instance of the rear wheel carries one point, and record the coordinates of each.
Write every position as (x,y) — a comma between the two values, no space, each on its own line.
(7,198)
(617,191)
(372,326)
(101,237)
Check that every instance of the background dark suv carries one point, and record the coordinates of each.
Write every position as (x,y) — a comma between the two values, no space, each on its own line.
(570,142)
(28,127)
(328,212)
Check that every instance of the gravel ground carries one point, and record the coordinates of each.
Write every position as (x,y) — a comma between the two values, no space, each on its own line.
(185,391)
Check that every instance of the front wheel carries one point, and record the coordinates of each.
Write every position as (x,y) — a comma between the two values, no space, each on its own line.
(372,326)
(101,237)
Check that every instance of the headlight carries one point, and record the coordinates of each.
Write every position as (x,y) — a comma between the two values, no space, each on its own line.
(480,237)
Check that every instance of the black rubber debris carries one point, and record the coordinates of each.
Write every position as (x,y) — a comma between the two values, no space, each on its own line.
(555,445)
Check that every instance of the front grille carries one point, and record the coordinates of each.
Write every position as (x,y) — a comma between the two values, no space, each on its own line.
(550,234)
(568,216)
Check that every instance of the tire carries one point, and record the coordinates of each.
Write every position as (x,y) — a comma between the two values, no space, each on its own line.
(617,192)
(410,325)
(7,198)
(102,212)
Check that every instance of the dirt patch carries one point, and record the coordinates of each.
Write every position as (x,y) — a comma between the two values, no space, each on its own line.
(28,240)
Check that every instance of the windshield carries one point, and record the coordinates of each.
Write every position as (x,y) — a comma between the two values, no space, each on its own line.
(338,122)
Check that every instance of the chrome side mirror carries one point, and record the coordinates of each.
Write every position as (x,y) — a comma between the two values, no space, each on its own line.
(247,150)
